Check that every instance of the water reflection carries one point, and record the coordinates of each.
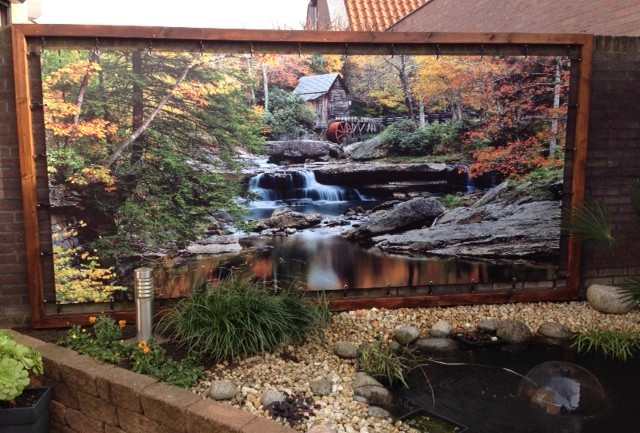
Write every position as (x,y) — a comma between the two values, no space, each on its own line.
(320,262)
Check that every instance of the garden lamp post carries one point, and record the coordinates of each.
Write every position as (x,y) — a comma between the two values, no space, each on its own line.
(143,287)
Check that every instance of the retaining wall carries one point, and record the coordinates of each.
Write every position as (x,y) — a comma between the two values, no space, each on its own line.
(90,397)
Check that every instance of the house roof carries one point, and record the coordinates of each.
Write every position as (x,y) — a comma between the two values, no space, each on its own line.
(379,15)
(314,86)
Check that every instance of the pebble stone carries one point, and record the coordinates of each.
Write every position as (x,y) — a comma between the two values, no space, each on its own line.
(316,358)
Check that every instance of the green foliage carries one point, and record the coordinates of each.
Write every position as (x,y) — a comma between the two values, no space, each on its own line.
(406,138)
(79,276)
(17,361)
(451,201)
(618,344)
(104,343)
(288,114)
(541,184)
(240,319)
(379,361)
(150,358)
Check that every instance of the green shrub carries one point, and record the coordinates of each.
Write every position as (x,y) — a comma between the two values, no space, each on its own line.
(407,139)
(104,343)
(619,344)
(240,319)
(381,362)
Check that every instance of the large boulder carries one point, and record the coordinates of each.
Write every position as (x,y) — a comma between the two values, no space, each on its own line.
(607,299)
(285,217)
(366,150)
(417,212)
(373,391)
(514,331)
(217,244)
(298,151)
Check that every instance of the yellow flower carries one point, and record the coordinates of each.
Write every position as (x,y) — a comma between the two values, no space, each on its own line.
(122,323)
(92,319)
(146,349)
(142,344)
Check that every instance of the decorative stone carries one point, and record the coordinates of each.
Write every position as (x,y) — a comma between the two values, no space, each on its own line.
(345,349)
(372,390)
(435,345)
(271,396)
(555,330)
(440,329)
(514,331)
(321,387)
(378,412)
(222,390)
(607,299)
(488,325)
(406,335)
(321,429)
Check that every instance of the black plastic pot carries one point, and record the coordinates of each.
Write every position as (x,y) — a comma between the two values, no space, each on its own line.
(449,425)
(33,419)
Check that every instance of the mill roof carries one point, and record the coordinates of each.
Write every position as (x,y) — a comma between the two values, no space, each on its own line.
(314,86)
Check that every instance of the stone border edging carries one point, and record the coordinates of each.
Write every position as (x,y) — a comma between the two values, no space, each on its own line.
(93,397)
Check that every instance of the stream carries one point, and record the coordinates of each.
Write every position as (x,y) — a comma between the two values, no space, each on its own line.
(319,259)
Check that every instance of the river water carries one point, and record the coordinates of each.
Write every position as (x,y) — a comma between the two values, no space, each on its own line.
(317,259)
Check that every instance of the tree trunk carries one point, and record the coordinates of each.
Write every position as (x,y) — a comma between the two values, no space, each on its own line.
(125,143)
(553,143)
(265,84)
(137,109)
(95,55)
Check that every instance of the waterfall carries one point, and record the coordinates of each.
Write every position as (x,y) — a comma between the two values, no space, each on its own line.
(298,186)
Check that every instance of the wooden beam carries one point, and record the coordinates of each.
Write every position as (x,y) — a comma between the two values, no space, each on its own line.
(27,173)
(580,155)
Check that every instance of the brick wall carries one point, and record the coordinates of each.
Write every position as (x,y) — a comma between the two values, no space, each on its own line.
(89,396)
(14,302)
(599,17)
(613,154)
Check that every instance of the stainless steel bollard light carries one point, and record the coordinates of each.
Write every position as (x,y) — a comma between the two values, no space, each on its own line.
(143,288)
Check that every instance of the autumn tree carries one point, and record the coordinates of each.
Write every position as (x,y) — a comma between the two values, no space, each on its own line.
(151,145)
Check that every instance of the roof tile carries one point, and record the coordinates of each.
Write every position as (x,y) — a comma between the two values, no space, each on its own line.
(378,15)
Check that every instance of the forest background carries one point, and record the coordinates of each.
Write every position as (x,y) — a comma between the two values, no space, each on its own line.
(143,145)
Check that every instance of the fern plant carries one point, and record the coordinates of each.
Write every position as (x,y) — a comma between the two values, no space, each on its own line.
(591,223)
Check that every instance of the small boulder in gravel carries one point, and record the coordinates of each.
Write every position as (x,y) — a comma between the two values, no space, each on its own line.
(441,329)
(271,396)
(435,345)
(345,349)
(376,394)
(607,299)
(321,387)
(321,429)
(555,330)
(488,325)
(378,412)
(514,331)
(406,335)
(222,390)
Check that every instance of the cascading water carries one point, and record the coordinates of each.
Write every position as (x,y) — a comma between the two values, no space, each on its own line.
(298,186)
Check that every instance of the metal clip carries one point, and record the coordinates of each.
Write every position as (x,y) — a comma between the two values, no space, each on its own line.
(473,286)
(111,302)
(514,280)
(430,287)
(346,289)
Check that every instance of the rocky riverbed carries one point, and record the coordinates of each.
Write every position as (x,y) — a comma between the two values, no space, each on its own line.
(299,369)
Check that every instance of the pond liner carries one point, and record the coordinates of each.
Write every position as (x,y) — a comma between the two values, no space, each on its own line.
(455,426)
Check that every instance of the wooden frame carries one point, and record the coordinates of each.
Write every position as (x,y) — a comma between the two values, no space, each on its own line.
(578,46)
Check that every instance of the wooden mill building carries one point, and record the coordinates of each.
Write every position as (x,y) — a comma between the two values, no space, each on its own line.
(327,94)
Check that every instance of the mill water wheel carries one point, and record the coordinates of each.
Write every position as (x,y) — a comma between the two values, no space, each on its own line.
(338,130)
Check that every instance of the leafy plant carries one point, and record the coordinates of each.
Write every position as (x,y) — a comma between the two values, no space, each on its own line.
(293,409)
(240,319)
(380,361)
(17,361)
(105,344)
(151,359)
(591,223)
(619,344)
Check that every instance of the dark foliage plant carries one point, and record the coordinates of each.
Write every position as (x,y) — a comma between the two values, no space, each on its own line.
(240,319)
(293,409)
(591,223)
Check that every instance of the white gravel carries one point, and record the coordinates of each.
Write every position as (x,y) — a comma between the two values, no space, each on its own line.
(295,367)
